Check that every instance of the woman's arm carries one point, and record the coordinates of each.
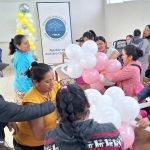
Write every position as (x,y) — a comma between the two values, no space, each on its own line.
(11,112)
(123,74)
(114,55)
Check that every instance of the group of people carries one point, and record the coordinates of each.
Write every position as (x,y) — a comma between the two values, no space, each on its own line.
(56,117)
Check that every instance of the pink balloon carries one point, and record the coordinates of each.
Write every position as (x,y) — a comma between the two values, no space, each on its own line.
(139,88)
(127,134)
(97,85)
(101,61)
(90,76)
(143,113)
(79,80)
(113,65)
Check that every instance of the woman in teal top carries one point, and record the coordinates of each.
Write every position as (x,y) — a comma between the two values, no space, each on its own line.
(20,48)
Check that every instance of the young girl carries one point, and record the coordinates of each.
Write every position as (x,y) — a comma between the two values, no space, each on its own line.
(75,131)
(20,48)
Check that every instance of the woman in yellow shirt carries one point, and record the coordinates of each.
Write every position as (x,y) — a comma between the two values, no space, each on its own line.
(31,134)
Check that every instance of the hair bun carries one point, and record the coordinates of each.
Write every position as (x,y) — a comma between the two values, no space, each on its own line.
(34,63)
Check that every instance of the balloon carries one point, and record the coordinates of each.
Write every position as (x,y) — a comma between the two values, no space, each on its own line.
(115,93)
(127,134)
(102,78)
(90,76)
(139,88)
(31,29)
(106,100)
(128,108)
(74,52)
(80,80)
(74,70)
(143,113)
(28,15)
(24,8)
(106,115)
(101,61)
(19,31)
(23,21)
(20,15)
(92,95)
(113,65)
(90,47)
(97,85)
(88,61)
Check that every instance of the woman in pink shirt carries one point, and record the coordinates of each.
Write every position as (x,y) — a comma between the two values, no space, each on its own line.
(129,76)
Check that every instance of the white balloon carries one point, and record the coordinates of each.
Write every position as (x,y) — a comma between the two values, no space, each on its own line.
(90,47)
(128,108)
(93,96)
(74,52)
(74,70)
(88,60)
(106,115)
(102,78)
(115,93)
(105,100)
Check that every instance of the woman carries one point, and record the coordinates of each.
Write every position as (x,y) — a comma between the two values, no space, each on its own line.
(31,134)
(129,39)
(75,131)
(146,33)
(129,76)
(102,47)
(20,48)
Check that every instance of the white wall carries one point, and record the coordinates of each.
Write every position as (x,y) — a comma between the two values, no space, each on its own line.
(123,18)
(85,15)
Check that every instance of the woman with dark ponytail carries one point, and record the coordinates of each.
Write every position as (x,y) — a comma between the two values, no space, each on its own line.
(128,78)
(75,131)
(31,134)
(20,48)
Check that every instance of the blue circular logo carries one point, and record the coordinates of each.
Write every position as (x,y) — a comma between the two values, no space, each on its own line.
(55,28)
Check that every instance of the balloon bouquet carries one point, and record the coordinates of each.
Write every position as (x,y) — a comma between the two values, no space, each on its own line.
(113,106)
(25,24)
(87,62)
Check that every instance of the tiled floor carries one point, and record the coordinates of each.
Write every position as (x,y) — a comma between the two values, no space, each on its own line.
(6,89)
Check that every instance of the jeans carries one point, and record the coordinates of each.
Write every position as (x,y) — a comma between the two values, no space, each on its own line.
(144,93)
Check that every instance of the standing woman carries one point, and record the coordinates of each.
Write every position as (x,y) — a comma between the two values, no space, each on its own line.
(128,78)
(31,134)
(20,48)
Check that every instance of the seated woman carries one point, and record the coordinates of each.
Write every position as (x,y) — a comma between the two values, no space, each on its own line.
(128,77)
(75,131)
(102,47)
(31,134)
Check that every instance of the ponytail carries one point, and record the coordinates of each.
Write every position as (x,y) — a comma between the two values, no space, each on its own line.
(12,47)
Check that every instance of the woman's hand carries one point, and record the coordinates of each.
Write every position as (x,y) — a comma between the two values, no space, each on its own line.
(13,126)
(143,123)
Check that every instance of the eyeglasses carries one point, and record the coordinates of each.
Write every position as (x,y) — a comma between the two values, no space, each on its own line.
(66,81)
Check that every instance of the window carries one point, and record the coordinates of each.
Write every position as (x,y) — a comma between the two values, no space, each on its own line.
(117,1)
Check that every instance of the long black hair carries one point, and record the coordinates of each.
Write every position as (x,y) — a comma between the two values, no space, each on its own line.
(133,51)
(71,103)
(14,42)
(37,71)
